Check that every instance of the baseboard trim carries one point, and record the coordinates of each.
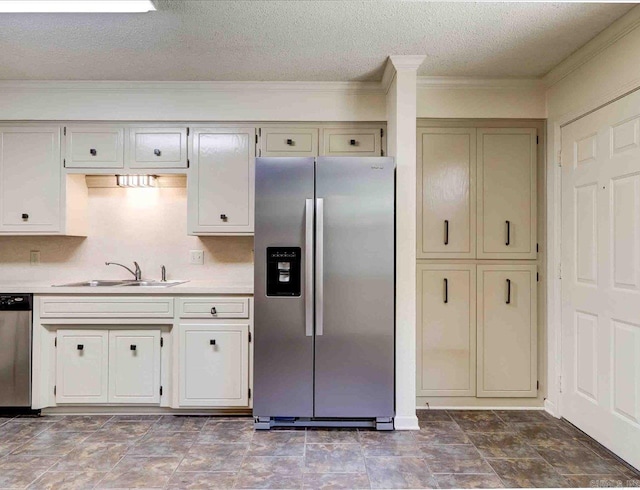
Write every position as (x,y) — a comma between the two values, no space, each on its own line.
(406,423)
(551,408)
(479,408)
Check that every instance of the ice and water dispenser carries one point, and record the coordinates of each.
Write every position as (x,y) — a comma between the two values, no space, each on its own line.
(283,271)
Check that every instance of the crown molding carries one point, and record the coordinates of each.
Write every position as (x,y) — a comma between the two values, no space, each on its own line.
(399,62)
(480,83)
(187,86)
(593,48)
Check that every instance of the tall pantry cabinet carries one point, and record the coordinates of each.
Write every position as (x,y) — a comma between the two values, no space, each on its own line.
(477,254)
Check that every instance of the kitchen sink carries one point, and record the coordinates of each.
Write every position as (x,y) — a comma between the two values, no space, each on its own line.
(100,283)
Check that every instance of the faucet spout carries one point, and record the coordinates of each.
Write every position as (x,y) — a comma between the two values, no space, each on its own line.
(137,273)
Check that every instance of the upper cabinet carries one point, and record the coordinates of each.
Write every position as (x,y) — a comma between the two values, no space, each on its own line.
(363,142)
(157,148)
(30,184)
(94,147)
(446,192)
(476,193)
(507,193)
(221,181)
(292,142)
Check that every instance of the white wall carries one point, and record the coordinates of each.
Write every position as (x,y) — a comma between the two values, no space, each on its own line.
(146,225)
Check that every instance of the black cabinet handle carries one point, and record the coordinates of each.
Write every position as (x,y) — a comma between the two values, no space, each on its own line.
(93,152)
(508,242)
(214,311)
(80,347)
(25,217)
(223,217)
(157,152)
(446,232)
(132,347)
(212,342)
(446,290)
(353,142)
(508,291)
(290,142)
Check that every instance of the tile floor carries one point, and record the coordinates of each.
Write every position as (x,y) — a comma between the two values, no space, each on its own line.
(453,449)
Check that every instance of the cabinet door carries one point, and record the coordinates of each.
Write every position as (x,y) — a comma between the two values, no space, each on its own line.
(507,331)
(134,366)
(446,193)
(507,193)
(94,147)
(446,330)
(82,366)
(221,181)
(288,142)
(363,142)
(30,179)
(214,365)
(157,148)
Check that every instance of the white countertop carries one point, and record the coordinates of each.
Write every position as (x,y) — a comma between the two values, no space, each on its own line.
(191,287)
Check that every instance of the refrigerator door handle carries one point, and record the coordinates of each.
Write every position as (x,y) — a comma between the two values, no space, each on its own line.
(308,268)
(319,264)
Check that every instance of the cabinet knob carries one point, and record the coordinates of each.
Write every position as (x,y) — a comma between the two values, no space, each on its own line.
(290,142)
(132,347)
(212,342)
(157,152)
(80,347)
(25,217)
(214,311)
(353,142)
(223,217)
(93,152)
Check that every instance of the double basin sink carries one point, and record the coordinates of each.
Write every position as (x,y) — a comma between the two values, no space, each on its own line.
(99,283)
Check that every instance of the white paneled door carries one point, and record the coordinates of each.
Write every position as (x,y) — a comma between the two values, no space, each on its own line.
(601,276)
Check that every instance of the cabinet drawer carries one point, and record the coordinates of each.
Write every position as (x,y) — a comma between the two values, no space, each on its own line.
(213,307)
(105,307)
(157,148)
(293,142)
(94,147)
(361,142)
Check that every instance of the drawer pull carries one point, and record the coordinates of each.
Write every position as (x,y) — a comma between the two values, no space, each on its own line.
(223,217)
(446,232)
(353,142)
(289,142)
(508,291)
(157,152)
(93,152)
(25,217)
(446,290)
(132,347)
(214,311)
(80,347)
(508,223)
(212,342)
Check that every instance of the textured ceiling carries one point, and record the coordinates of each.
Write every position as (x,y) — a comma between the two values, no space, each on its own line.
(298,40)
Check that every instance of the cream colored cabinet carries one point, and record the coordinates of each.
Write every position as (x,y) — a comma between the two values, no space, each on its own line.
(134,366)
(507,193)
(94,147)
(446,330)
(363,142)
(446,199)
(214,365)
(157,148)
(82,366)
(507,331)
(30,180)
(288,142)
(221,181)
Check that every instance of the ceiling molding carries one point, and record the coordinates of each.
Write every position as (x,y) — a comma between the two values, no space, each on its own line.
(593,48)
(387,76)
(407,62)
(136,87)
(480,83)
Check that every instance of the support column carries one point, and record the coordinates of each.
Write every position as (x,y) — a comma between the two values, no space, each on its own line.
(400,80)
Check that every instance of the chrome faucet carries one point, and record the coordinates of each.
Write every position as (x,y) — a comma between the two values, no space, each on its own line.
(137,273)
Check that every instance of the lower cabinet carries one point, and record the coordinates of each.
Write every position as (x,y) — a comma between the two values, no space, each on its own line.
(214,365)
(477,330)
(108,366)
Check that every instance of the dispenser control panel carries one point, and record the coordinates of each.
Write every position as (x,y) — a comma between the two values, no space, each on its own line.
(283,271)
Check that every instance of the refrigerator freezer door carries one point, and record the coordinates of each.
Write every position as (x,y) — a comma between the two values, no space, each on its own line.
(354,356)
(283,349)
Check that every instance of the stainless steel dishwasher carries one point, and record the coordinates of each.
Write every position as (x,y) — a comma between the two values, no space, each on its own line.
(15,350)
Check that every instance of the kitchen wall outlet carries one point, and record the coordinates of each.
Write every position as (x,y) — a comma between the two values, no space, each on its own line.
(196,257)
(34,257)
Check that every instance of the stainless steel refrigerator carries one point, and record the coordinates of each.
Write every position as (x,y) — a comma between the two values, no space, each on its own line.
(324,292)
